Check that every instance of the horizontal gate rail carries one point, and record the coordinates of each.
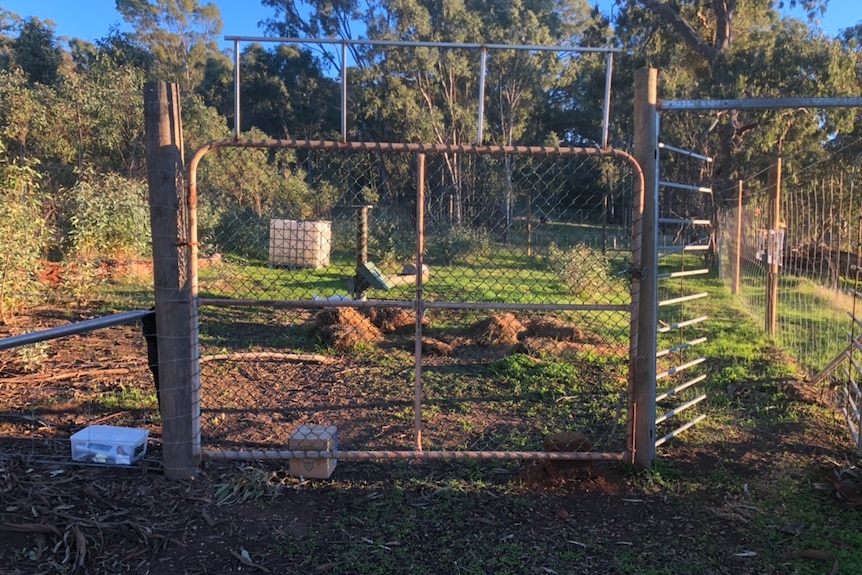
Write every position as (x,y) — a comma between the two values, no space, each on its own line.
(682,324)
(688,248)
(256,455)
(680,429)
(688,153)
(680,347)
(684,221)
(684,273)
(683,299)
(685,187)
(673,391)
(679,368)
(313,304)
(680,408)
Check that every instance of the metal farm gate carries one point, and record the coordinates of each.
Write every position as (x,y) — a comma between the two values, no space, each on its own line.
(694,234)
(424,316)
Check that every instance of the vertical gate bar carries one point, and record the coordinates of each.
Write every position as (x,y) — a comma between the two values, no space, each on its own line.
(774,208)
(343,91)
(737,253)
(606,105)
(420,309)
(236,124)
(642,379)
(480,124)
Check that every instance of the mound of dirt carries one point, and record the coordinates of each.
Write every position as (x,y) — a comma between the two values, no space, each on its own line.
(549,327)
(541,346)
(499,330)
(433,346)
(392,319)
(344,328)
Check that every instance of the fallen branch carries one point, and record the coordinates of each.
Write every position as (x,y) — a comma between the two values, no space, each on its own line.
(308,357)
(815,554)
(29,528)
(65,375)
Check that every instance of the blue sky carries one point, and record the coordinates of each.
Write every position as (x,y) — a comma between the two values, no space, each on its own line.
(91,19)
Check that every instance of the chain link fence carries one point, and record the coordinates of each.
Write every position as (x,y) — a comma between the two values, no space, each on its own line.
(517,261)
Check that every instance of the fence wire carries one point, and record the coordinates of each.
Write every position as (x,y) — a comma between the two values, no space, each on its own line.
(308,304)
(816,246)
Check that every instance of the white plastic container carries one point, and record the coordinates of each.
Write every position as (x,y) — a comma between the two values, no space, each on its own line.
(109,444)
(299,243)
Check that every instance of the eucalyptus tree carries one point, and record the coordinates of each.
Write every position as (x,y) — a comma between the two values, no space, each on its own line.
(181,34)
(740,49)
(343,19)
(35,50)
(432,93)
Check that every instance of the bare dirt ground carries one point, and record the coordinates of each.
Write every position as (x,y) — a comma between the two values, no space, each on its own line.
(697,512)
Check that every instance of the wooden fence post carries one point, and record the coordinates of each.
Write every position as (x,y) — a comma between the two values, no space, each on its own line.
(176,316)
(737,244)
(642,377)
(773,254)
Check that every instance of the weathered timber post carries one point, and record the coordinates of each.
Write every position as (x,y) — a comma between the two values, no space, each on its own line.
(176,316)
(772,247)
(737,244)
(642,377)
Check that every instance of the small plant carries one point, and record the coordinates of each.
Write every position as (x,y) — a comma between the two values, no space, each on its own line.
(582,269)
(32,357)
(251,484)
(457,245)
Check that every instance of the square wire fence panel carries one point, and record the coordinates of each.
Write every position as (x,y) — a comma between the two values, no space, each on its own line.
(308,306)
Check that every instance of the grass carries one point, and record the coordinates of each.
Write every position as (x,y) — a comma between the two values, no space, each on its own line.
(759,492)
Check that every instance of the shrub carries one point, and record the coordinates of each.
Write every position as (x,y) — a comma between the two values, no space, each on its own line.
(110,217)
(584,270)
(457,245)
(23,235)
(243,233)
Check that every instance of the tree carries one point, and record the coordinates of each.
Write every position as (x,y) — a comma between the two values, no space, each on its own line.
(738,49)
(182,34)
(322,19)
(36,52)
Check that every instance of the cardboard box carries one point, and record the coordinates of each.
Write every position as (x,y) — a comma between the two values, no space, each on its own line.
(109,444)
(313,438)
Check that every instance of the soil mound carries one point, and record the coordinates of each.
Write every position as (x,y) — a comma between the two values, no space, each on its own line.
(392,319)
(344,328)
(549,327)
(499,329)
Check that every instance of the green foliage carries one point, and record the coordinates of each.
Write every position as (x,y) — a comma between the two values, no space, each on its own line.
(242,233)
(583,269)
(36,52)
(23,235)
(456,245)
(109,217)
(181,34)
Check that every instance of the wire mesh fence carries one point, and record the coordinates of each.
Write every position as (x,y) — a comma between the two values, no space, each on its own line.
(51,388)
(516,261)
(815,247)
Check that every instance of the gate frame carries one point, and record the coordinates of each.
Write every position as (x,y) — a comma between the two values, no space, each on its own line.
(637,385)
(701,105)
